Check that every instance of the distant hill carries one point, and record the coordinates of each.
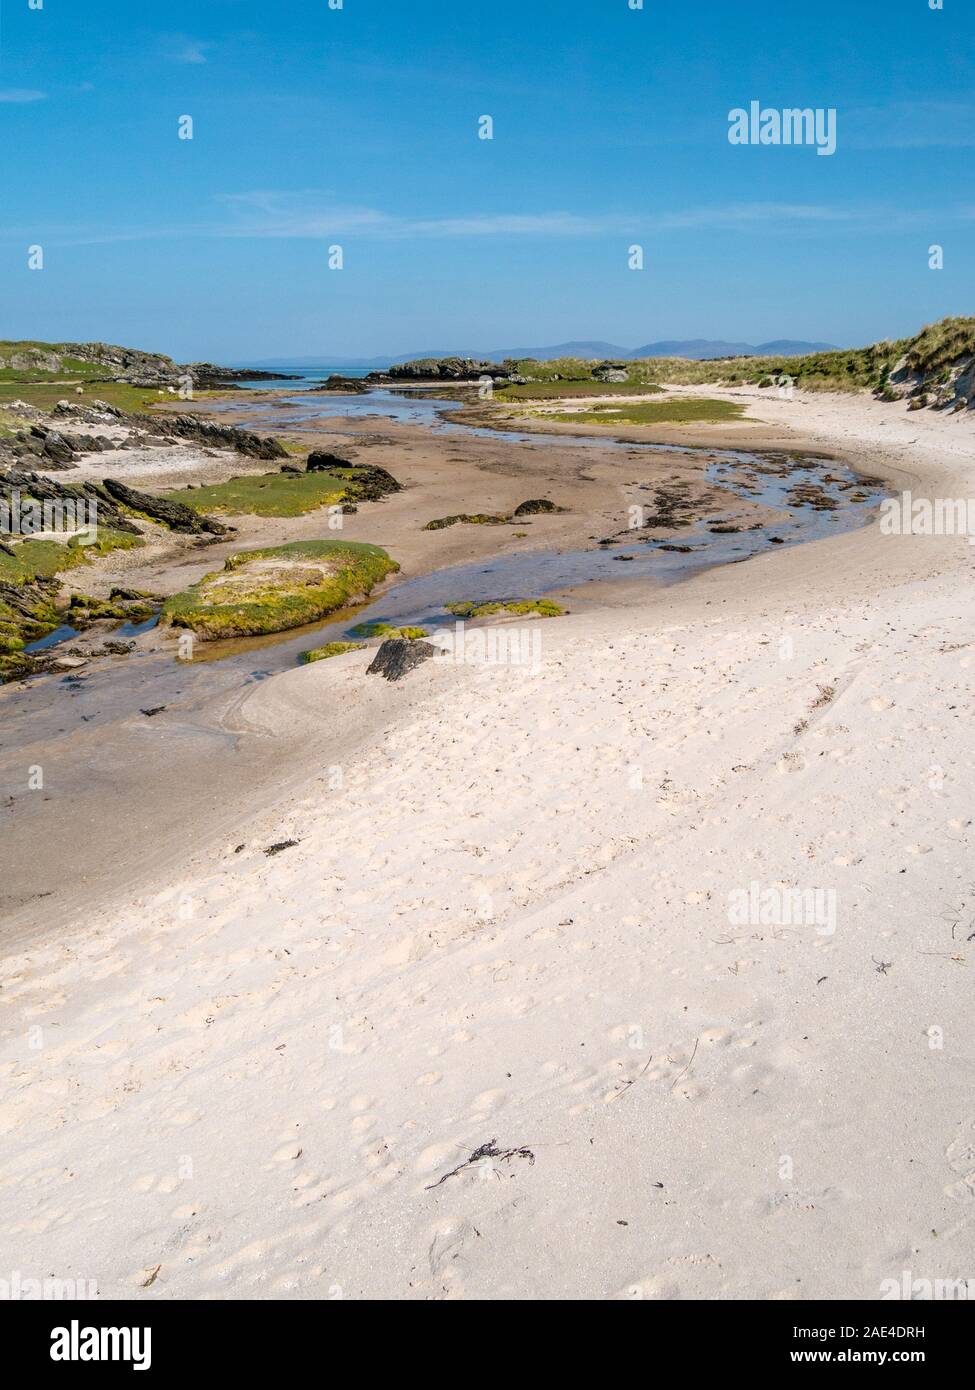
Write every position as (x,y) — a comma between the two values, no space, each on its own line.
(703,349)
(696,349)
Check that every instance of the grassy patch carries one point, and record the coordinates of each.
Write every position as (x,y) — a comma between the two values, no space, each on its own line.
(548,390)
(329,649)
(42,559)
(279,587)
(522,607)
(264,494)
(669,412)
(45,396)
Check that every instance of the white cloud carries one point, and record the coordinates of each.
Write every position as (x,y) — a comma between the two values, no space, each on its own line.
(21,95)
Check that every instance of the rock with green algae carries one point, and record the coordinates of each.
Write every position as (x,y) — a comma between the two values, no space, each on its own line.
(329,649)
(519,607)
(279,587)
(440,523)
(378,629)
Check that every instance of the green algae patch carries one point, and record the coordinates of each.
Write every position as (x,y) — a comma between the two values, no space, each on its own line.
(688,410)
(264,494)
(30,588)
(329,649)
(522,607)
(440,523)
(280,587)
(41,559)
(410,634)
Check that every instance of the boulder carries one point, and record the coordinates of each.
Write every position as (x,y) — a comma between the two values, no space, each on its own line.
(398,655)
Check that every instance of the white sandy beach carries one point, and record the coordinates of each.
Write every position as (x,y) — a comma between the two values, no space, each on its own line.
(507,919)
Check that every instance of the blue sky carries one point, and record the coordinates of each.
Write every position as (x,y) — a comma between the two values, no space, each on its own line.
(359,127)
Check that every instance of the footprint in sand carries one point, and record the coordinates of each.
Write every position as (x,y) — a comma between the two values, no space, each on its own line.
(960,1154)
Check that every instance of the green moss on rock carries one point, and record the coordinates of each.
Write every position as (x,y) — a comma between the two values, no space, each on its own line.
(329,649)
(540,607)
(411,634)
(467,519)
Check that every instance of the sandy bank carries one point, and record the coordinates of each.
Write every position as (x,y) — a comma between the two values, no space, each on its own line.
(507,918)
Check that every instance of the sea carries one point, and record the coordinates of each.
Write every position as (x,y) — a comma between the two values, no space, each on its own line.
(306,377)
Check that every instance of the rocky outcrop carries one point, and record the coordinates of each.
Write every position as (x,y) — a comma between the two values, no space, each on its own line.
(137,368)
(346,385)
(443,369)
(172,514)
(365,482)
(41,489)
(610,372)
(206,375)
(397,656)
(199,430)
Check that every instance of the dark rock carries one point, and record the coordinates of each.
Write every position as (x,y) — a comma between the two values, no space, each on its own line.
(345,385)
(446,369)
(200,430)
(176,515)
(321,461)
(536,504)
(43,489)
(397,655)
(364,482)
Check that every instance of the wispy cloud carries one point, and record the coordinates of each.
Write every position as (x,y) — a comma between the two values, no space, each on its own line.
(311,215)
(21,95)
(178,48)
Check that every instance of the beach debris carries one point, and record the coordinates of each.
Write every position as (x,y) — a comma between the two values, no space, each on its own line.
(697,1042)
(279,846)
(398,655)
(488,1151)
(149,1276)
(632,1082)
(153,710)
(882,965)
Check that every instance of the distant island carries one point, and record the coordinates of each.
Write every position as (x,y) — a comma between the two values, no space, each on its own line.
(695,349)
